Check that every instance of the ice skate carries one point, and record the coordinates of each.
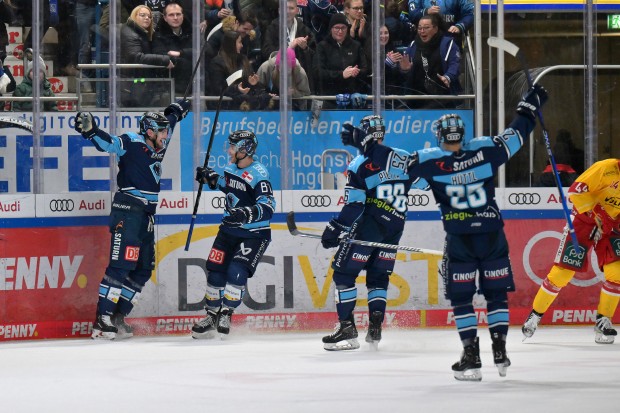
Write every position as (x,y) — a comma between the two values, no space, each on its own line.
(344,337)
(604,333)
(500,357)
(103,328)
(205,328)
(530,325)
(225,320)
(124,330)
(374,329)
(468,367)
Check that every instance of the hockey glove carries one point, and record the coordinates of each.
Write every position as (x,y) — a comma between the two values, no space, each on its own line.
(351,136)
(333,234)
(180,108)
(533,100)
(207,176)
(603,221)
(85,124)
(239,216)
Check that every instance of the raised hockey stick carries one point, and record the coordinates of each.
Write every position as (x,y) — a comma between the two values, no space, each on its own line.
(191,78)
(13,122)
(229,81)
(292,227)
(512,49)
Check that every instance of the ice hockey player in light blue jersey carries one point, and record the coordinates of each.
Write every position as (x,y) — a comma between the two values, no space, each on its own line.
(461,178)
(375,210)
(243,236)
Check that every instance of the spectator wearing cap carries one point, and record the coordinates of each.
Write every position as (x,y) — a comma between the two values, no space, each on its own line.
(24,89)
(340,62)
(269,75)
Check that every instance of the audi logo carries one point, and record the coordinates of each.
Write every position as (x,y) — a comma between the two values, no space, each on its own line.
(524,198)
(218,202)
(61,205)
(316,200)
(418,200)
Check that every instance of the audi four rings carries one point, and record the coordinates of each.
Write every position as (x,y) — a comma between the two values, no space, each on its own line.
(61,205)
(418,200)
(316,200)
(218,202)
(524,198)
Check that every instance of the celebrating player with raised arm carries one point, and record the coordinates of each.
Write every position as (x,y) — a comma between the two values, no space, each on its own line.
(132,250)
(244,233)
(375,210)
(596,214)
(462,180)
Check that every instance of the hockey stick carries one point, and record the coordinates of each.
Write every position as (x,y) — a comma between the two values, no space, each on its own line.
(292,227)
(12,122)
(191,78)
(511,48)
(229,81)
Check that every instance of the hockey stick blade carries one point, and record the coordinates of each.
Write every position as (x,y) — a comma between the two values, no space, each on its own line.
(292,227)
(12,122)
(504,45)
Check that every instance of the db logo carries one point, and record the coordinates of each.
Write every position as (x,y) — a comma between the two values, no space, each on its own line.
(216,256)
(132,253)
(57,85)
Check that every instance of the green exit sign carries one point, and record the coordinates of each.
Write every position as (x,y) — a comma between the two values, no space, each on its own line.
(613,21)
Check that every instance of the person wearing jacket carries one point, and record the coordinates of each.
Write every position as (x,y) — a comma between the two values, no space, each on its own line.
(433,66)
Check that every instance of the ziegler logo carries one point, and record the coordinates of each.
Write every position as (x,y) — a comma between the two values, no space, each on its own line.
(216,256)
(132,253)
(62,205)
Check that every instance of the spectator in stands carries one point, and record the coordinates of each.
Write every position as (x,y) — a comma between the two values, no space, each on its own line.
(316,14)
(136,37)
(394,78)
(359,27)
(228,60)
(269,75)
(300,38)
(173,37)
(243,25)
(85,19)
(457,14)
(215,12)
(6,17)
(340,62)
(25,88)
(433,64)
(58,15)
(402,31)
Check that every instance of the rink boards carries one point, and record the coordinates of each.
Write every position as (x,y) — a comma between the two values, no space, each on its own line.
(54,247)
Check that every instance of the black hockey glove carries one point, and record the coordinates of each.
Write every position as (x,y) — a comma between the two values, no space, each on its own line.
(351,136)
(239,216)
(207,176)
(533,100)
(85,124)
(180,108)
(333,234)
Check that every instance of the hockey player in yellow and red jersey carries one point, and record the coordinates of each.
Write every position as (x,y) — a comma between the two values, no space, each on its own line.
(595,195)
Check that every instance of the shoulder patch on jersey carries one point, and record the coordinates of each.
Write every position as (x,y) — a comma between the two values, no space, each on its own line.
(247,176)
(259,169)
(134,137)
(356,163)
(401,152)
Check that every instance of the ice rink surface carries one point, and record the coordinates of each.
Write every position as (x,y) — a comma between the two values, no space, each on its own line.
(557,370)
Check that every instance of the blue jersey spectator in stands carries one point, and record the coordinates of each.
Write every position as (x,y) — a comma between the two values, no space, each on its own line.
(458,14)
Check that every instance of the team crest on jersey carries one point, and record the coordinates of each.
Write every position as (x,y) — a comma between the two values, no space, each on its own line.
(442,165)
(247,176)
